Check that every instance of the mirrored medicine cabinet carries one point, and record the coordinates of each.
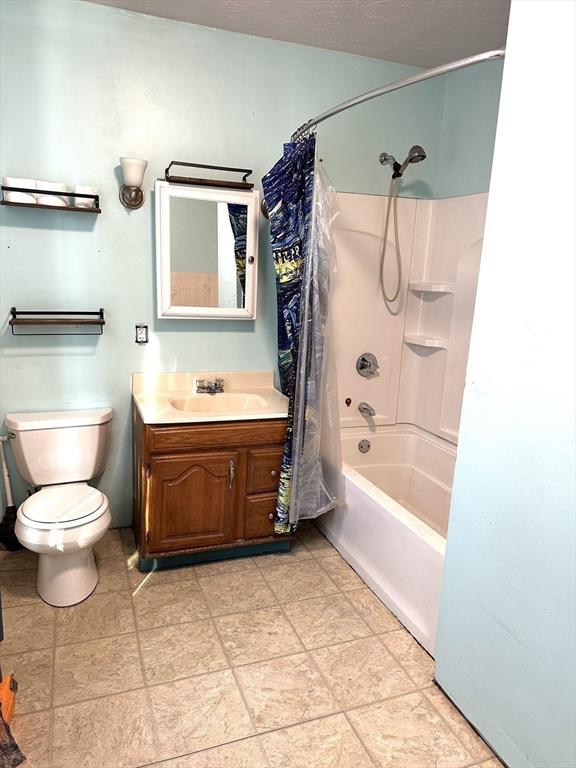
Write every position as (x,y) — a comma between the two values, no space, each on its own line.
(206,252)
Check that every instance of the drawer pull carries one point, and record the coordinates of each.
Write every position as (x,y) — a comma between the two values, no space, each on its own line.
(273,473)
(271,516)
(231,473)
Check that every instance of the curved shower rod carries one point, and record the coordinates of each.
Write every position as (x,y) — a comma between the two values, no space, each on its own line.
(443,69)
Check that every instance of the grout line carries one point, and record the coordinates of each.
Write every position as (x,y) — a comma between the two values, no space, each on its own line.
(155,736)
(375,763)
(52,686)
(235,677)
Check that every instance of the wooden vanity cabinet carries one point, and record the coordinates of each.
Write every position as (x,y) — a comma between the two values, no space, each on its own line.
(206,486)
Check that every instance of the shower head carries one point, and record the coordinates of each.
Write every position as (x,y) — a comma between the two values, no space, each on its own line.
(415,155)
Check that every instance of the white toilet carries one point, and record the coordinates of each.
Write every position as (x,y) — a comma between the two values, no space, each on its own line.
(59,451)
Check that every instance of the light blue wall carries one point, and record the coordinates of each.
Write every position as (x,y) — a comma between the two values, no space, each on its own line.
(84,84)
(464,158)
(506,649)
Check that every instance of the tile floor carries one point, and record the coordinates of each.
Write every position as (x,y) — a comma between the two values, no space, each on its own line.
(277,661)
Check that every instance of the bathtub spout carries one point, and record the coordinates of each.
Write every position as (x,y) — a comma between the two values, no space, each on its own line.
(366,410)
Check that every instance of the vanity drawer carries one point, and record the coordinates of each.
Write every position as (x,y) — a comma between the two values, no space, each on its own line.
(260,515)
(264,469)
(237,433)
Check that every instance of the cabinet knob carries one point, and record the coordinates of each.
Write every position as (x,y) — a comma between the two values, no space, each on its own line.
(271,516)
(273,473)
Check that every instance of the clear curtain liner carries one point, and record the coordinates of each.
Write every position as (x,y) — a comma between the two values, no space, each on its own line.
(317,464)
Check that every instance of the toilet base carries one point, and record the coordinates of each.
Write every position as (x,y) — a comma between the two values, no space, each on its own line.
(67,579)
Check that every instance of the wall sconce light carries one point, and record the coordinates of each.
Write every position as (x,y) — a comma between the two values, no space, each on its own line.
(131,195)
(141,333)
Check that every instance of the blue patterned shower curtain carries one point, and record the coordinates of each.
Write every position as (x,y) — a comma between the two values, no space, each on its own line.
(295,193)
(238,215)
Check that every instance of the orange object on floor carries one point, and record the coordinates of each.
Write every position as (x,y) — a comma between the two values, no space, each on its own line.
(8,689)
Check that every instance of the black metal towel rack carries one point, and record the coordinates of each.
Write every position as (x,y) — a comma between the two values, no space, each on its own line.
(209,182)
(59,319)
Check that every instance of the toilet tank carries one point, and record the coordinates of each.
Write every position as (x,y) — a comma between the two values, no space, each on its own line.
(52,447)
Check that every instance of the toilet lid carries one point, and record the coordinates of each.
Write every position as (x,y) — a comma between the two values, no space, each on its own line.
(62,504)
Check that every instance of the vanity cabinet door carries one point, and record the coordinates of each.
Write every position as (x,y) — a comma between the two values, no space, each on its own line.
(192,500)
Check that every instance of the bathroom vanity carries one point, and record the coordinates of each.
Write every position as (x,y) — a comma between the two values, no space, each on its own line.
(206,466)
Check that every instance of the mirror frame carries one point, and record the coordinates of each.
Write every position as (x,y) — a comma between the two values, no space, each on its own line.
(165,191)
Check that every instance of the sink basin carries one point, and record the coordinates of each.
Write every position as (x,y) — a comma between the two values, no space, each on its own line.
(223,402)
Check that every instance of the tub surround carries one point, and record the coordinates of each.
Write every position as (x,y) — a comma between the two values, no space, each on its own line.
(171,398)
(398,493)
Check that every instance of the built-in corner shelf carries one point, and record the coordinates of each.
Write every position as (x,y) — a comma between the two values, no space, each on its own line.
(424,287)
(56,321)
(429,342)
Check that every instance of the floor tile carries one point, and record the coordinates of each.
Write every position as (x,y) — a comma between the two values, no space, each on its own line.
(169,653)
(98,616)
(316,542)
(326,743)
(167,604)
(233,592)
(240,754)
(231,565)
(412,657)
(112,574)
(96,668)
(28,628)
(493,763)
(137,578)
(32,734)
(465,733)
(285,691)
(33,671)
(298,580)
(326,620)
(110,545)
(20,560)
(407,732)
(19,587)
(257,635)
(374,613)
(341,573)
(361,672)
(199,712)
(297,552)
(110,731)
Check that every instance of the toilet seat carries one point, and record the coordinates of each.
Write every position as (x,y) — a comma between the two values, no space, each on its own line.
(63,506)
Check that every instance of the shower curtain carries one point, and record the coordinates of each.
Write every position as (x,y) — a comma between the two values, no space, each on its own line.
(238,216)
(301,205)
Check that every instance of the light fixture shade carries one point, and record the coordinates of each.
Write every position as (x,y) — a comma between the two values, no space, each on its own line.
(133,171)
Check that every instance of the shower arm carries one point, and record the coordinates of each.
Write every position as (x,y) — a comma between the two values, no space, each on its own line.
(428,74)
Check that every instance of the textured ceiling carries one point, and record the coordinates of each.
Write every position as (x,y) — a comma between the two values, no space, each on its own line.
(423,33)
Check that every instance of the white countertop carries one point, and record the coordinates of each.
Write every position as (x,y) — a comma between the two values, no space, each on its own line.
(247,396)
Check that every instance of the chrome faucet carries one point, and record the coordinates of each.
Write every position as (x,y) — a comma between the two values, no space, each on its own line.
(209,387)
(366,410)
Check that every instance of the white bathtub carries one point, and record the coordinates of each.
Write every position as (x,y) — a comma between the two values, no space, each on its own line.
(393,524)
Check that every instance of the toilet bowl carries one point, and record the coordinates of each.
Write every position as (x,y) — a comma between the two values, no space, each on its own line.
(62,523)
(59,451)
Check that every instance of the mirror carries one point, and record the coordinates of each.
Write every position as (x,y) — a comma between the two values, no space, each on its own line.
(206,251)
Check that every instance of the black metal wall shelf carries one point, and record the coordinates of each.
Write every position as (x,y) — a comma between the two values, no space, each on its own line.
(42,206)
(57,319)
(209,182)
